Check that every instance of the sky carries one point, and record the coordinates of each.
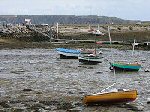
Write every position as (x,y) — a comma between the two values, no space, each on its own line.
(125,9)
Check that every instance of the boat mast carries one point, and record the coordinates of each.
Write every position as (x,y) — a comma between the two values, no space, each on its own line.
(57,30)
(133,47)
(95,45)
(110,42)
(89,27)
(114,72)
(98,27)
(109,34)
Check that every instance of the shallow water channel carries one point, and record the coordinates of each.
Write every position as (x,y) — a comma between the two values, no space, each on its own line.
(32,79)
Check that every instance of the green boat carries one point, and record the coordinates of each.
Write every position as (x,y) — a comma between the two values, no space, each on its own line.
(122,66)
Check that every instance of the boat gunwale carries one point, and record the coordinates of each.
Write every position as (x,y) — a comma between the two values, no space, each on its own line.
(112,92)
(126,64)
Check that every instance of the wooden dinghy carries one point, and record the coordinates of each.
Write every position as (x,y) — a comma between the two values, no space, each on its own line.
(119,96)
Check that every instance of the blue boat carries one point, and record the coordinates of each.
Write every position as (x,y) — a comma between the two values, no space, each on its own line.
(68,53)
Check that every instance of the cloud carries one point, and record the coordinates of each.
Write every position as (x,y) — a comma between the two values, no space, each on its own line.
(127,9)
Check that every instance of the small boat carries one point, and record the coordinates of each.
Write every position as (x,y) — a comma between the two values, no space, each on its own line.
(68,53)
(95,32)
(72,53)
(112,97)
(122,66)
(90,59)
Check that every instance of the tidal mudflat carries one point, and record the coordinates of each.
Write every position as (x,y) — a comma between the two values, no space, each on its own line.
(37,80)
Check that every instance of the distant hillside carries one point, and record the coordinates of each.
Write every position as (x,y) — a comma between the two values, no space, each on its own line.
(63,19)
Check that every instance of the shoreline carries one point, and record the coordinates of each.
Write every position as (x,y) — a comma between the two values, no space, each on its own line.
(71,36)
(15,44)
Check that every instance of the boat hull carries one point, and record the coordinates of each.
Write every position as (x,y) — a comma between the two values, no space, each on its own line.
(125,67)
(68,53)
(111,98)
(90,60)
(62,56)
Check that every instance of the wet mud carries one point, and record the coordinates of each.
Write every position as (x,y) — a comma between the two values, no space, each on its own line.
(37,80)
